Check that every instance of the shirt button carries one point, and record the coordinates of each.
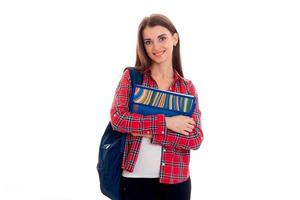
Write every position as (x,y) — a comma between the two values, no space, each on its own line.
(148,131)
(162,164)
(164,150)
(162,132)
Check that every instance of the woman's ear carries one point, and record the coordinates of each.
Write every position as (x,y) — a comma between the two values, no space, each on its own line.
(175,39)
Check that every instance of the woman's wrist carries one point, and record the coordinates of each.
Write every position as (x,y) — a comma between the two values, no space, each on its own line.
(167,119)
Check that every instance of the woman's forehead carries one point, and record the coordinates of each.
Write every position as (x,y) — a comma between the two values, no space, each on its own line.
(155,31)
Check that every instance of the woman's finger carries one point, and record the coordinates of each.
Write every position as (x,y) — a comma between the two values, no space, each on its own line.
(191,121)
(184,132)
(189,130)
(190,126)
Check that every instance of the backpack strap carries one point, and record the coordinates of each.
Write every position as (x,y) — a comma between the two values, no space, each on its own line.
(136,78)
(135,75)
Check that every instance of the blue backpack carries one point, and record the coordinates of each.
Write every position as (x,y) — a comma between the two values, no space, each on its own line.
(111,153)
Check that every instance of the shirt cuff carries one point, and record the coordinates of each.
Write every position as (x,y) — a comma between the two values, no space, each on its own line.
(160,124)
(158,136)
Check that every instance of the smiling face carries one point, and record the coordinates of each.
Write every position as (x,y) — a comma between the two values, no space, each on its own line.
(159,42)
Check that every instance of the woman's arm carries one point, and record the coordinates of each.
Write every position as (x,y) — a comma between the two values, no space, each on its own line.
(125,122)
(179,140)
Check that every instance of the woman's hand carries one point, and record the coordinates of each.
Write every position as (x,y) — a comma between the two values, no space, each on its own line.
(180,124)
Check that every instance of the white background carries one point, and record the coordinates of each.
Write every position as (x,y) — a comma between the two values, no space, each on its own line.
(60,65)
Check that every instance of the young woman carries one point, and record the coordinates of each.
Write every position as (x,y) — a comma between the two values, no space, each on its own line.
(157,151)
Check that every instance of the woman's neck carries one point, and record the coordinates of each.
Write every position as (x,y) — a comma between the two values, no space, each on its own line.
(162,71)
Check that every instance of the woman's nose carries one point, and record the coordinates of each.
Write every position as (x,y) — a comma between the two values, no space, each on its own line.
(156,46)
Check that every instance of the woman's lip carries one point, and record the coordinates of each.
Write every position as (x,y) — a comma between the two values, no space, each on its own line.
(159,53)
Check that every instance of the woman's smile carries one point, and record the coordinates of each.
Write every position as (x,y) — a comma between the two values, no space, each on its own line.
(159,53)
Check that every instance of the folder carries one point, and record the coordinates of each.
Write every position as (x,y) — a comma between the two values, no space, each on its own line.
(148,101)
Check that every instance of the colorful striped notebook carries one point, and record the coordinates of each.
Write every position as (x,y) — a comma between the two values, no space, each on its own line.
(147,101)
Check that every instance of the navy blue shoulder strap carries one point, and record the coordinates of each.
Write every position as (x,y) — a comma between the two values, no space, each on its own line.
(136,78)
(135,75)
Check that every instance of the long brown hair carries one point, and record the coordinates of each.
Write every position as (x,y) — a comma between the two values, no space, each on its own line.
(142,59)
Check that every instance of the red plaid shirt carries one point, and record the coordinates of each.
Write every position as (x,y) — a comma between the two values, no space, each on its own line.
(175,155)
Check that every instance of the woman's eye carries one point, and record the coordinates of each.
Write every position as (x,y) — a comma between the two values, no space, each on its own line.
(162,38)
(147,42)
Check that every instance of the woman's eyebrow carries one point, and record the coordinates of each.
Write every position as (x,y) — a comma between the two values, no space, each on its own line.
(146,39)
(162,35)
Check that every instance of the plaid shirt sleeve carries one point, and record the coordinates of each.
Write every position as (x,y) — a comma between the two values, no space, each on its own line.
(124,121)
(177,140)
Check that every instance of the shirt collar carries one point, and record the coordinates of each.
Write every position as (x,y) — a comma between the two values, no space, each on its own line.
(176,74)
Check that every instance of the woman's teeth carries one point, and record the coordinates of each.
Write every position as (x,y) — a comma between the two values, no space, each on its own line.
(159,53)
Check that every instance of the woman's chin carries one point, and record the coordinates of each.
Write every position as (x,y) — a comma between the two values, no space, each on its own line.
(159,60)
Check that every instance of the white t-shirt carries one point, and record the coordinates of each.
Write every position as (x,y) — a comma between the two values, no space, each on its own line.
(148,161)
